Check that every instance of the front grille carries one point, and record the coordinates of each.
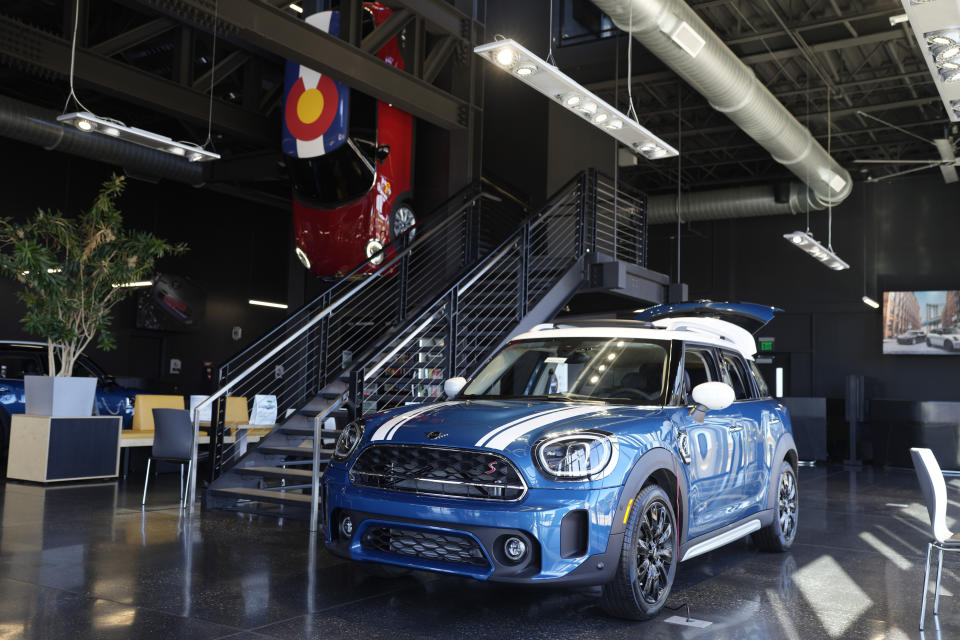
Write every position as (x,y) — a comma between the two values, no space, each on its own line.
(421,544)
(454,473)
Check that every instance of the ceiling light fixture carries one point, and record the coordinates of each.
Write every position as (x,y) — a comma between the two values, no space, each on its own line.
(85,121)
(296,7)
(898,19)
(263,303)
(567,92)
(870,302)
(936,28)
(806,242)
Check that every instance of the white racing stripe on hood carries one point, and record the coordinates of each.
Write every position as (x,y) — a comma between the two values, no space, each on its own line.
(493,432)
(389,428)
(505,437)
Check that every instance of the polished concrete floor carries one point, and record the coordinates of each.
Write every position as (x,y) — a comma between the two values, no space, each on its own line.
(86,562)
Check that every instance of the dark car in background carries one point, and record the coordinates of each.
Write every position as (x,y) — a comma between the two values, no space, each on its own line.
(18,358)
(913,336)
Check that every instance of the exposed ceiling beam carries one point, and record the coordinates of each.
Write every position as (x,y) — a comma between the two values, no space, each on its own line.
(442,16)
(287,36)
(809,25)
(391,27)
(766,56)
(47,53)
(222,70)
(834,113)
(133,37)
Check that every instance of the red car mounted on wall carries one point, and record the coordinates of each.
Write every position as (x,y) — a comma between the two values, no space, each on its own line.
(350,159)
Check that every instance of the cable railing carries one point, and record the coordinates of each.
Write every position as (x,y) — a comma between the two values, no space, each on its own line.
(437,306)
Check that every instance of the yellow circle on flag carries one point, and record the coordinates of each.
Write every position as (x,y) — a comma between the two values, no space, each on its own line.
(310,106)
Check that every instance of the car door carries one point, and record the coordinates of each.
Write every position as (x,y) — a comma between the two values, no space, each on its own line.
(748,430)
(715,477)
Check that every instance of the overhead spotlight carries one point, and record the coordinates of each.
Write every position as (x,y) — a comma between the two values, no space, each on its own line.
(505,57)
(296,7)
(898,19)
(870,302)
(806,242)
(941,41)
(85,121)
(558,86)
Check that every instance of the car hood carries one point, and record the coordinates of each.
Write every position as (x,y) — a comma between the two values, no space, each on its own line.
(501,425)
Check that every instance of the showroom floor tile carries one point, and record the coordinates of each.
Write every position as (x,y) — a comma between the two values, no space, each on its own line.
(87,562)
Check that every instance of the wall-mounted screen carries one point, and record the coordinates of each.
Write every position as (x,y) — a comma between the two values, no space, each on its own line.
(921,323)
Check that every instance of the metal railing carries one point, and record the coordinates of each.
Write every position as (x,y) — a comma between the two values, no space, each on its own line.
(437,305)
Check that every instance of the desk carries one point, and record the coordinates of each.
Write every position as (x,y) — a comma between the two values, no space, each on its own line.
(45,449)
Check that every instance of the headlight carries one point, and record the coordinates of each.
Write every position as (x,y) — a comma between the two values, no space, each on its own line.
(574,456)
(374,247)
(348,440)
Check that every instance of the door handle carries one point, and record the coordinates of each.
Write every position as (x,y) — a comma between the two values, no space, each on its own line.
(736,427)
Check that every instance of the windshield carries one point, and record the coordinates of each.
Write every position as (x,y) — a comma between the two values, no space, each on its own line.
(604,369)
(345,173)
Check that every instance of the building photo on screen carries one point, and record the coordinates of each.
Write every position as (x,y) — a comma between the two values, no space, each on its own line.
(921,322)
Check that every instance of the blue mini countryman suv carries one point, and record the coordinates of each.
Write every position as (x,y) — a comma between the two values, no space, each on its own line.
(583,453)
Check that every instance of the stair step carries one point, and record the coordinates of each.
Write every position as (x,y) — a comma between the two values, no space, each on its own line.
(300,452)
(276,472)
(260,495)
(308,432)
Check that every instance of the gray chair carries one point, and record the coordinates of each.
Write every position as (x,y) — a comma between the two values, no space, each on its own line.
(935,495)
(172,442)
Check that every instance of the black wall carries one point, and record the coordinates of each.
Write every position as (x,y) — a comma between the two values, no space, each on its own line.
(896,235)
(238,250)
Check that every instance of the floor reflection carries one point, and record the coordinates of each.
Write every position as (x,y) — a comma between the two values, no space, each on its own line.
(88,561)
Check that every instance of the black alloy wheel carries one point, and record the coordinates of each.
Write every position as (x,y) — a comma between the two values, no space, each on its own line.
(648,558)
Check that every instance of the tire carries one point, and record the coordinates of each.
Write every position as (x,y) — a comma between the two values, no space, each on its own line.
(636,593)
(948,345)
(779,535)
(929,344)
(402,219)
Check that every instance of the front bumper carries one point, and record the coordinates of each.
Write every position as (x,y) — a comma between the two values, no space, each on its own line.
(567,532)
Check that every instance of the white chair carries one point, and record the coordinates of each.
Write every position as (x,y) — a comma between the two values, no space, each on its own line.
(935,495)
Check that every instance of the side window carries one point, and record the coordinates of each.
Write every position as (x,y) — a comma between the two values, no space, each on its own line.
(736,376)
(762,387)
(698,367)
(82,369)
(16,364)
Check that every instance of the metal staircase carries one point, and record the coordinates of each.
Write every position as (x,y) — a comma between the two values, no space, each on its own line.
(388,335)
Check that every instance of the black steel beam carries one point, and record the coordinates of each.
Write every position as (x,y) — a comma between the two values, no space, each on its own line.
(293,39)
(438,57)
(47,53)
(133,37)
(391,27)
(222,70)
(442,16)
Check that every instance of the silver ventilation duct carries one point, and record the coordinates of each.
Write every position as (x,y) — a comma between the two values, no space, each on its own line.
(35,125)
(737,202)
(674,33)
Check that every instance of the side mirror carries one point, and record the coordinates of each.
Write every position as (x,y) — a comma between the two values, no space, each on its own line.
(453,386)
(382,152)
(712,396)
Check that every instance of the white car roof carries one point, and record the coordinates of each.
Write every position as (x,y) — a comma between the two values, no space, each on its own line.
(689,329)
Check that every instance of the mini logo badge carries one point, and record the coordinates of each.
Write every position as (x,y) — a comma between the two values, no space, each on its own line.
(434,435)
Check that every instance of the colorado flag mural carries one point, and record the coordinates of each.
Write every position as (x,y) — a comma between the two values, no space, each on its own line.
(316,106)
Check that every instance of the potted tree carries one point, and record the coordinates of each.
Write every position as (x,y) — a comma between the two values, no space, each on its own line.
(73,272)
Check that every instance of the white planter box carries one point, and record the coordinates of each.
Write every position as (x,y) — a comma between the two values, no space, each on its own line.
(59,396)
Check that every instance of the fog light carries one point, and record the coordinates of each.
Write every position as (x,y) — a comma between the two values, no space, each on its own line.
(346,526)
(514,548)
